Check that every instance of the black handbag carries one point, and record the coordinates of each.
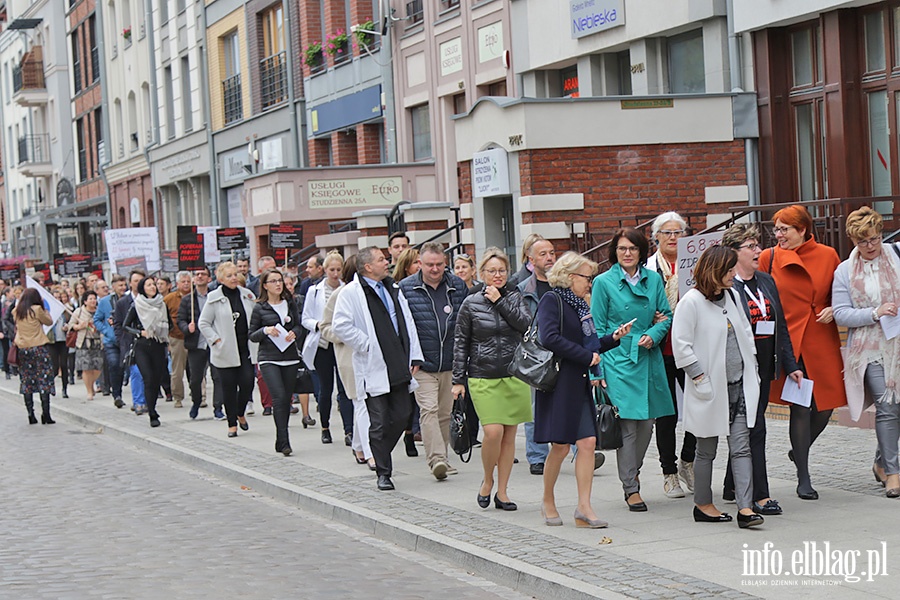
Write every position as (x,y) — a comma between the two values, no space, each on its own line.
(304,383)
(460,440)
(609,429)
(534,364)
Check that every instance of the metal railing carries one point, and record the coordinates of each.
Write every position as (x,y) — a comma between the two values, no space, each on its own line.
(34,148)
(29,75)
(273,79)
(231,98)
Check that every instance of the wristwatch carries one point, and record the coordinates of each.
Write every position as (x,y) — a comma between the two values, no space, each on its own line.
(875,316)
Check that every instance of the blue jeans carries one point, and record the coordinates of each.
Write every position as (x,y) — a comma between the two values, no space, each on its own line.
(114,366)
(137,387)
(534,453)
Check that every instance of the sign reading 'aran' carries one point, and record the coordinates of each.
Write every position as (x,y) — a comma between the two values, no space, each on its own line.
(594,16)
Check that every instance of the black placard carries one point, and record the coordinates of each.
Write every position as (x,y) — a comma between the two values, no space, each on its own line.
(59,264)
(10,273)
(169,260)
(43,268)
(286,235)
(77,264)
(232,239)
(133,263)
(190,248)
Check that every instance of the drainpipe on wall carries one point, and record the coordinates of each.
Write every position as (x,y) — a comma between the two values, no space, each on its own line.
(292,108)
(100,32)
(735,63)
(210,141)
(387,84)
(154,115)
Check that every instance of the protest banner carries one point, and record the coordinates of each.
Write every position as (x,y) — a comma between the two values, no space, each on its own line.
(53,306)
(169,260)
(232,239)
(689,250)
(131,242)
(191,248)
(43,268)
(130,263)
(211,253)
(78,264)
(11,273)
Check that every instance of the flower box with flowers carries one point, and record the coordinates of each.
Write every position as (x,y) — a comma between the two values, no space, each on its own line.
(336,44)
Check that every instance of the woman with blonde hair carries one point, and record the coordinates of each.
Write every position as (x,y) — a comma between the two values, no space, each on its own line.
(866,289)
(318,353)
(489,327)
(407,264)
(565,415)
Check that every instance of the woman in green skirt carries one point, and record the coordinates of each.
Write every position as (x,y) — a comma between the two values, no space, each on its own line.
(489,326)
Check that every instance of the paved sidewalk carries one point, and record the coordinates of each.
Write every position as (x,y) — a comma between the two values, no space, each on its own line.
(658,554)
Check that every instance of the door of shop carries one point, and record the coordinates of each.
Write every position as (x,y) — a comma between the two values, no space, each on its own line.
(499,227)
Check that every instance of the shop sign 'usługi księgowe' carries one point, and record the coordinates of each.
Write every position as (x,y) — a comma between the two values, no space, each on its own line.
(353,193)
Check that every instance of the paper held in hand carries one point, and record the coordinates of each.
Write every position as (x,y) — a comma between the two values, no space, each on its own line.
(280,340)
(801,395)
(890,325)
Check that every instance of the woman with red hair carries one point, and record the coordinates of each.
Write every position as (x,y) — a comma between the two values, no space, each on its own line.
(804,271)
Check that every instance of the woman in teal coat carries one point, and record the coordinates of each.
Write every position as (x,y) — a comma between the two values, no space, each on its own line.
(634,372)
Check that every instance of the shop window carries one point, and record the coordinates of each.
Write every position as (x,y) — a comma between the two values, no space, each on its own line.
(568,79)
(687,74)
(806,151)
(874,35)
(802,57)
(421,132)
(623,61)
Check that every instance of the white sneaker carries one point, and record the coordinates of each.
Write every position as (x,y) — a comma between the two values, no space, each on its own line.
(439,470)
(672,487)
(686,474)
(249,410)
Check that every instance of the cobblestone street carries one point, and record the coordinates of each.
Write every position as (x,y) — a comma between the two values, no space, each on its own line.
(86,516)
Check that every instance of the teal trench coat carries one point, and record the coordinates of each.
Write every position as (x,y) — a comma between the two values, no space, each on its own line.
(635,376)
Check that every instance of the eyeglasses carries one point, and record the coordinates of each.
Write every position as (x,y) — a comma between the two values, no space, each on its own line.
(493,272)
(781,230)
(750,246)
(274,281)
(670,232)
(869,243)
(587,277)
(627,249)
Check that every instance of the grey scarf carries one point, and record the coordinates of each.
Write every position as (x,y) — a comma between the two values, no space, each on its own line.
(153,315)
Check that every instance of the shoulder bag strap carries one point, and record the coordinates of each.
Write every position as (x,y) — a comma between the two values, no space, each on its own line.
(771,260)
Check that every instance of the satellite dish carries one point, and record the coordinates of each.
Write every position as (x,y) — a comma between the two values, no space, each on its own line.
(65,192)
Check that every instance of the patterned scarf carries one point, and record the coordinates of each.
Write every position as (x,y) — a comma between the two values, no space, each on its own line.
(669,277)
(872,283)
(153,315)
(581,307)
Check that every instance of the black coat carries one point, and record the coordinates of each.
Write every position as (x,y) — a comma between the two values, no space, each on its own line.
(557,414)
(438,351)
(487,335)
(191,340)
(265,316)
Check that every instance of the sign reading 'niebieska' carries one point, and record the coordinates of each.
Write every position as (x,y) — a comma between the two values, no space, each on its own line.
(593,16)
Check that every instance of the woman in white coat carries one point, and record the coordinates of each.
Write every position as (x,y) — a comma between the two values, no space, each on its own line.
(225,323)
(318,352)
(713,342)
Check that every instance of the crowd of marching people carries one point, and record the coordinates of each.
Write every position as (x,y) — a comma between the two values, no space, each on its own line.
(398,339)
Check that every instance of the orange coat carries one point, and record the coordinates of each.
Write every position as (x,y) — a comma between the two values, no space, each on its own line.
(804,276)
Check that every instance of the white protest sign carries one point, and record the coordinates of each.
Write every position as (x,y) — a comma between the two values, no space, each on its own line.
(210,246)
(689,250)
(53,306)
(131,242)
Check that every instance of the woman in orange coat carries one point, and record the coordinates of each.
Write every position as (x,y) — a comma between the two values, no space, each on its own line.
(803,271)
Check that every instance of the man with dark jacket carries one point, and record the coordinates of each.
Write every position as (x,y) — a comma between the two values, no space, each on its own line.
(103,322)
(434,297)
(195,344)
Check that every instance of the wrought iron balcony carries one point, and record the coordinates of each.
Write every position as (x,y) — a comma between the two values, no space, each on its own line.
(231,98)
(29,86)
(34,155)
(273,79)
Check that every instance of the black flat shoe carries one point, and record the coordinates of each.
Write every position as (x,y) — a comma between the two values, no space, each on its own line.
(637,506)
(385,483)
(245,426)
(286,450)
(810,495)
(65,394)
(498,503)
(232,434)
(745,521)
(410,442)
(326,436)
(770,508)
(484,501)
(702,517)
(348,439)
(359,461)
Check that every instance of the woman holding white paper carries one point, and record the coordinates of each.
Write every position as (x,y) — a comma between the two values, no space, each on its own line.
(866,290)
(275,325)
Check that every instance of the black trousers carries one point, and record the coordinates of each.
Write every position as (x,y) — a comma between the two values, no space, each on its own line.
(59,355)
(281,381)
(197,362)
(388,415)
(150,357)
(236,387)
(665,426)
(326,370)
